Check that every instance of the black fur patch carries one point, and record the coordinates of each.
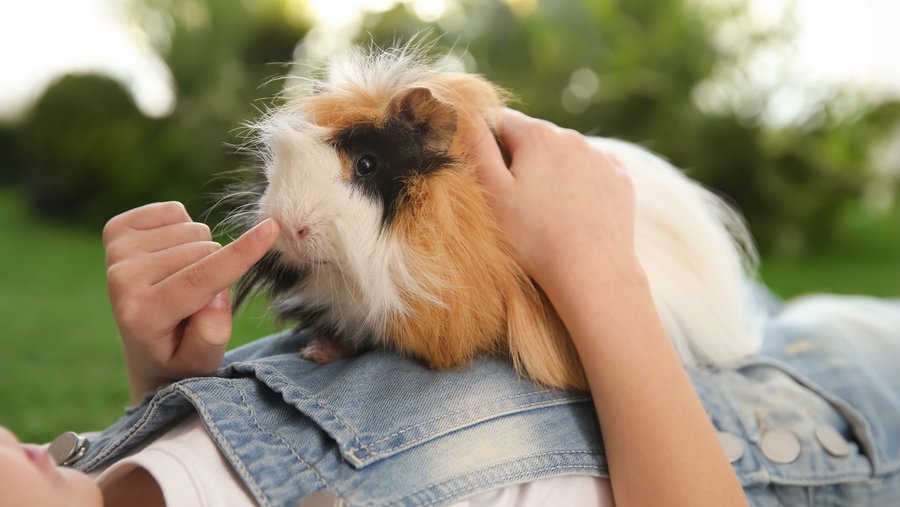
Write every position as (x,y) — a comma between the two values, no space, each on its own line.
(315,318)
(270,274)
(399,151)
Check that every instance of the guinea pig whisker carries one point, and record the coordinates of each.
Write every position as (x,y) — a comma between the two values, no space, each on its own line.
(240,219)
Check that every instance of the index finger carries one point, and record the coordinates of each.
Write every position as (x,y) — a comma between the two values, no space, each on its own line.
(190,289)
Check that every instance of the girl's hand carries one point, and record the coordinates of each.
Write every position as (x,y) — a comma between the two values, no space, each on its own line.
(569,210)
(564,203)
(168,284)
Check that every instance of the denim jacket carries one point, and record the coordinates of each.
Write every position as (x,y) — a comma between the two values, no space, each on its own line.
(813,420)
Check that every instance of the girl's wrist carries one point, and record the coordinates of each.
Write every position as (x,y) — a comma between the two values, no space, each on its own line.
(574,278)
(600,295)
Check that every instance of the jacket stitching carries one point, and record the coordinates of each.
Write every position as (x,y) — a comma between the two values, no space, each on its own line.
(204,413)
(142,421)
(410,443)
(278,437)
(450,414)
(286,385)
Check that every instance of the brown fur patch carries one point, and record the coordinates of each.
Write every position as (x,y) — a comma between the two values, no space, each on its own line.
(419,110)
(460,255)
(342,108)
(456,252)
(453,255)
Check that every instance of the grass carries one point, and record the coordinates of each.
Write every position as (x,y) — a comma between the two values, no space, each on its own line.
(865,259)
(62,364)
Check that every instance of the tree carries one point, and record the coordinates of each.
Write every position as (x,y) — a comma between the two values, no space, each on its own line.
(631,69)
(88,154)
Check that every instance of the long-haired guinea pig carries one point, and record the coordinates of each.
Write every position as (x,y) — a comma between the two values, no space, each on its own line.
(388,240)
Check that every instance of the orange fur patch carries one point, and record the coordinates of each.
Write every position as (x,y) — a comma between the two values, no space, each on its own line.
(338,110)
(456,251)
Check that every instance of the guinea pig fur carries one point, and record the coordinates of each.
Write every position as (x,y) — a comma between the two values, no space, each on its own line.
(388,240)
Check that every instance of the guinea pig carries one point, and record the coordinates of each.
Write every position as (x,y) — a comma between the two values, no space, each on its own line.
(388,239)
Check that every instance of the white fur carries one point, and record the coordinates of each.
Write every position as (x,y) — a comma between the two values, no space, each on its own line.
(353,264)
(697,255)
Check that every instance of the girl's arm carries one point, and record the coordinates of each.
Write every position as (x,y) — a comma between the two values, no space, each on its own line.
(569,211)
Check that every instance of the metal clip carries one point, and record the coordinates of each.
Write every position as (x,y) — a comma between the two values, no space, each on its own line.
(67,448)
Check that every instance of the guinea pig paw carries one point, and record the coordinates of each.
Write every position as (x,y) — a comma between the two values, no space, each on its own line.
(322,352)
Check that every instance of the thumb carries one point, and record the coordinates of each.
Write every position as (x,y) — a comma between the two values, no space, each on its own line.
(205,338)
(490,169)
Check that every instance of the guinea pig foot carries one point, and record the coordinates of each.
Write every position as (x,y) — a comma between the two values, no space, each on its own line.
(322,352)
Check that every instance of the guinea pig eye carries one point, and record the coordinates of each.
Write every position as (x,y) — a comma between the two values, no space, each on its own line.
(366,165)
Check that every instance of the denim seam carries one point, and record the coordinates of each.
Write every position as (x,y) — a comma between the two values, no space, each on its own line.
(291,449)
(455,412)
(222,441)
(460,410)
(284,384)
(500,464)
(820,479)
(411,443)
(142,421)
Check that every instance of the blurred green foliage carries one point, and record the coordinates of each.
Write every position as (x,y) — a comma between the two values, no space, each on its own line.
(647,59)
(8,155)
(85,152)
(622,69)
(82,147)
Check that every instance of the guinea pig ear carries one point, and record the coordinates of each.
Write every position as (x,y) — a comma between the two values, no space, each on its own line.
(419,110)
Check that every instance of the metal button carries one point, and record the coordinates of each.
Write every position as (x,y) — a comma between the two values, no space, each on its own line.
(67,448)
(832,441)
(733,446)
(322,499)
(780,446)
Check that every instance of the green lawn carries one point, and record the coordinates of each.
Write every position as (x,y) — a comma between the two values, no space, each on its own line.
(62,366)
(63,369)
(864,260)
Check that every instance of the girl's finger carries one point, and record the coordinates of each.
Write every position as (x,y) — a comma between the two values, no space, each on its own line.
(518,131)
(205,338)
(491,170)
(192,288)
(149,216)
(140,242)
(158,266)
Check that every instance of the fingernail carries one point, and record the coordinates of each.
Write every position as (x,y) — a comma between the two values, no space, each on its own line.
(221,301)
(266,229)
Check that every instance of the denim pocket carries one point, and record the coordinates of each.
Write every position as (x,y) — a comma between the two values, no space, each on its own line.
(797,432)
(828,388)
(342,399)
